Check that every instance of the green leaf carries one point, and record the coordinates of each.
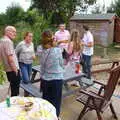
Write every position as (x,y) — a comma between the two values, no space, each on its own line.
(2,75)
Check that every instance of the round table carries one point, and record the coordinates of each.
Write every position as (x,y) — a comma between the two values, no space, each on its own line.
(40,110)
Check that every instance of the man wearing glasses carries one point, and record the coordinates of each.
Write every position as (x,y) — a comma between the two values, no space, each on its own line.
(10,62)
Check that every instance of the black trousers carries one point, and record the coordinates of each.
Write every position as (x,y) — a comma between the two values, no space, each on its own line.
(52,91)
(14,82)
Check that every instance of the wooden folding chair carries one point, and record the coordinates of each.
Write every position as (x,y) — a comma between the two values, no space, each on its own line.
(101,100)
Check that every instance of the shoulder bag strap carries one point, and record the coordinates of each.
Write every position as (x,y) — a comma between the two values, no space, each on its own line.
(44,65)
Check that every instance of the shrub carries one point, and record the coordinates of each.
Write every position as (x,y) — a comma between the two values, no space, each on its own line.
(2,75)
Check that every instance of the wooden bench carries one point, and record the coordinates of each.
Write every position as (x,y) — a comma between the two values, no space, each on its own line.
(30,89)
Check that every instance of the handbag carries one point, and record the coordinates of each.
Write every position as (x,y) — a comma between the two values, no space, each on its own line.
(65,54)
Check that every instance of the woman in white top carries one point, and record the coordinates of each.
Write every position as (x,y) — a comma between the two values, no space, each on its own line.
(26,55)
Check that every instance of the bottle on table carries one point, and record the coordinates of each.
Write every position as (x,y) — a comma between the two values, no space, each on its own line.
(8,101)
(77,68)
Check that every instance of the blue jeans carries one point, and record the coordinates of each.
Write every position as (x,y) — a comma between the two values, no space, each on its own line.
(86,66)
(26,70)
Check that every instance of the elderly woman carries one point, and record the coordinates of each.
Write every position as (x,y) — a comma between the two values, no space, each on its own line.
(26,55)
(51,62)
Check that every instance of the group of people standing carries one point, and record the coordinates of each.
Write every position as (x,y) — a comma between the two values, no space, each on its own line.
(56,51)
(78,48)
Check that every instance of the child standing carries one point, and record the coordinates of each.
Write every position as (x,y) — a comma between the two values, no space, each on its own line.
(74,50)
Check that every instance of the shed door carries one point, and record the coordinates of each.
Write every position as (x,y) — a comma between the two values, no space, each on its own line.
(117,30)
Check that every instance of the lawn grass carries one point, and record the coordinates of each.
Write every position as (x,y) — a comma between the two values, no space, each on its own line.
(111,51)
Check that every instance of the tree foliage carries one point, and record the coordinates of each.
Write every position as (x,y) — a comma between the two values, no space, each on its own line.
(31,16)
(14,13)
(2,19)
(2,74)
(35,24)
(114,7)
(62,9)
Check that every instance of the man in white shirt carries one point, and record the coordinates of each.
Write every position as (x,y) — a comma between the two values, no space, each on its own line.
(88,43)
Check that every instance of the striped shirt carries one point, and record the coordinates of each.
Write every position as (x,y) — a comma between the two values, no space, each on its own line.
(7,49)
(25,52)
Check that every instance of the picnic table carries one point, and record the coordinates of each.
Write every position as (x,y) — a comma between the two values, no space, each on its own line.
(69,75)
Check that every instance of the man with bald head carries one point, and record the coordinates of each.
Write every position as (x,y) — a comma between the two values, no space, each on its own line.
(9,59)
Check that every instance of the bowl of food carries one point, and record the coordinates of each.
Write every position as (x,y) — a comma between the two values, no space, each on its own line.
(28,106)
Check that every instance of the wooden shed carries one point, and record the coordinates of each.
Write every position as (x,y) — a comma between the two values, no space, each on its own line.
(105,27)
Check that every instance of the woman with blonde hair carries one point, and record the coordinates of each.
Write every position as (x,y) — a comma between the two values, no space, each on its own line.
(51,63)
(75,49)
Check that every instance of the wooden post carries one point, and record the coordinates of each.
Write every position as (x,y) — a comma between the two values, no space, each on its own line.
(105,55)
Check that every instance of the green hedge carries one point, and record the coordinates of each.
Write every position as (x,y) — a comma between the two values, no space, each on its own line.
(2,75)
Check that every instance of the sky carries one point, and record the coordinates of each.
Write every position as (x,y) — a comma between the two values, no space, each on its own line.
(26,3)
(5,3)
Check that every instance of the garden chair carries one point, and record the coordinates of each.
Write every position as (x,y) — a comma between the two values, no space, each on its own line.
(101,100)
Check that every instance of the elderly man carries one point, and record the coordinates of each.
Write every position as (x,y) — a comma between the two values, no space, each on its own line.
(8,56)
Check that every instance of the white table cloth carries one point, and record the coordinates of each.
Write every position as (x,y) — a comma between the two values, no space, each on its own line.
(41,109)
